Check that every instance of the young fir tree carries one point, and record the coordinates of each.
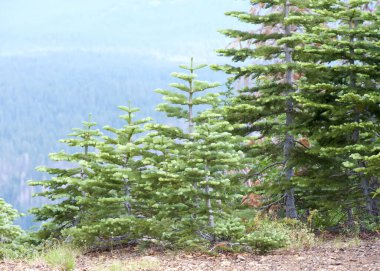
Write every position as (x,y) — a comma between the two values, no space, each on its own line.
(266,105)
(341,95)
(177,194)
(8,231)
(114,200)
(65,209)
(167,195)
(213,160)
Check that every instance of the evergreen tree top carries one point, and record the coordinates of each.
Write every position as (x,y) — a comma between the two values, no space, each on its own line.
(187,94)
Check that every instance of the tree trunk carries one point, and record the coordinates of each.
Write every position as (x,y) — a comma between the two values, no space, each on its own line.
(190,102)
(350,219)
(83,177)
(208,203)
(127,189)
(209,207)
(290,206)
(191,121)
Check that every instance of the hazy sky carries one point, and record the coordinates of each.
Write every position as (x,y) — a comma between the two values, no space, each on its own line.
(171,29)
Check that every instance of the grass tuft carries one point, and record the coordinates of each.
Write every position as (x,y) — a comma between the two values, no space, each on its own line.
(61,257)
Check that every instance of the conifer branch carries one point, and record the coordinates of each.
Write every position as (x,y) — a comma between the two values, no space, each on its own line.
(249,175)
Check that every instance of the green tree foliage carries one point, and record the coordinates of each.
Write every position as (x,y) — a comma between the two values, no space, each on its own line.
(311,96)
(265,105)
(309,109)
(113,199)
(189,171)
(213,160)
(340,95)
(63,189)
(189,94)
(8,231)
(170,184)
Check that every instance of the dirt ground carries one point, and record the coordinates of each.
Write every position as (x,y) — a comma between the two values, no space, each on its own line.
(349,255)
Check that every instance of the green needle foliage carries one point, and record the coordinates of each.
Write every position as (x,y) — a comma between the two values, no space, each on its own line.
(190,188)
(188,96)
(265,104)
(213,160)
(340,93)
(113,198)
(308,106)
(8,231)
(65,208)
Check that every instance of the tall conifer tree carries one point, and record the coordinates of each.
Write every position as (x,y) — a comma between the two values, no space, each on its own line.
(340,93)
(266,105)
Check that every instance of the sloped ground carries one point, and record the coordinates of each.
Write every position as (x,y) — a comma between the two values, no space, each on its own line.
(349,255)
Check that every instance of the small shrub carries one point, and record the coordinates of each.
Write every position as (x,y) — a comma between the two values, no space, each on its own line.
(268,236)
(24,246)
(370,225)
(231,228)
(10,251)
(9,232)
(61,257)
(264,235)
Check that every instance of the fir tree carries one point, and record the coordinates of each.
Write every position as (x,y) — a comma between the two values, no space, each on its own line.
(65,209)
(340,93)
(177,192)
(213,161)
(114,198)
(266,105)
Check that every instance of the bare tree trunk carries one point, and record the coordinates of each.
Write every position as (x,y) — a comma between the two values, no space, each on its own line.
(350,219)
(127,204)
(209,207)
(290,205)
(127,189)
(211,220)
(190,117)
(191,121)
(82,177)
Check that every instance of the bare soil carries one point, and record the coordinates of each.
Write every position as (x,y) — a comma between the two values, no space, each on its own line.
(331,255)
